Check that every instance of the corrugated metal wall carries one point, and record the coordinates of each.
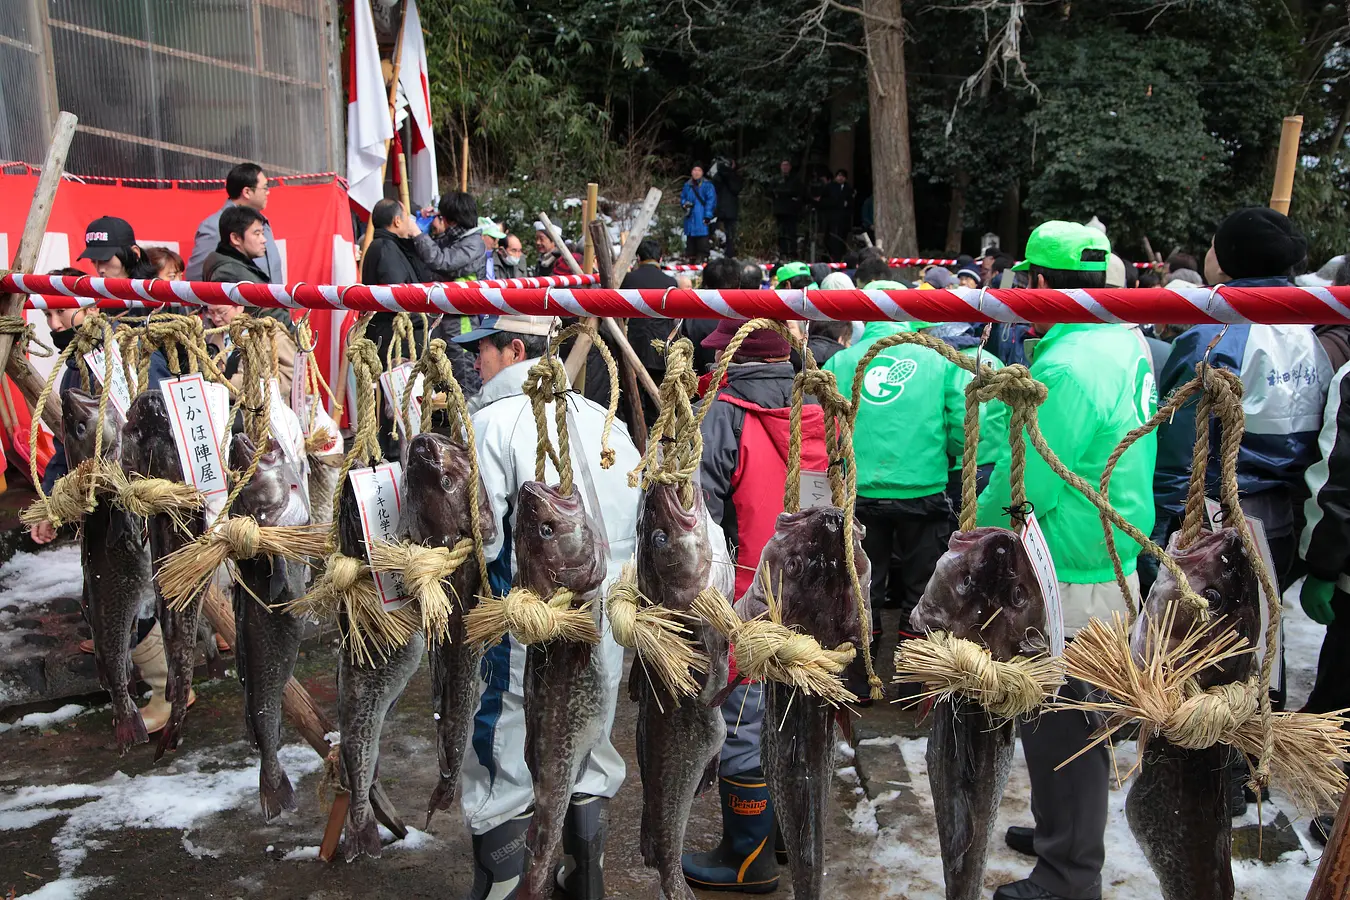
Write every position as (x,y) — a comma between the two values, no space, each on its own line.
(171,88)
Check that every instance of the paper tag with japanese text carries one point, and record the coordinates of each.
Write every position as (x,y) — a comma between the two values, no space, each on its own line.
(815,490)
(378,500)
(1033,539)
(395,382)
(196,433)
(299,374)
(120,391)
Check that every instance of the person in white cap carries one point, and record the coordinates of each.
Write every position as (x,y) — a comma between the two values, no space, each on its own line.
(497,793)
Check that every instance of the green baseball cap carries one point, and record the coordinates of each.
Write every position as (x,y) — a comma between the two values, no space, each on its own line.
(791,270)
(489,228)
(1063,245)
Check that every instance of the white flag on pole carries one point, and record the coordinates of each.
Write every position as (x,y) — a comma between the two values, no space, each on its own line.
(368,125)
(414,78)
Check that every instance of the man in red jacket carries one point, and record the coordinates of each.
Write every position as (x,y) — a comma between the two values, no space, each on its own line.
(744,470)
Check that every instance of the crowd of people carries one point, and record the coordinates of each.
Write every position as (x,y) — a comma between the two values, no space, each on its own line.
(1103,380)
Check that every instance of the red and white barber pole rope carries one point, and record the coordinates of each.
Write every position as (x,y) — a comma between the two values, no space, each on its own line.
(1224,305)
(898,262)
(79,297)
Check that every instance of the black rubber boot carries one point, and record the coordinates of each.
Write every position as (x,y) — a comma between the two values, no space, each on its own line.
(499,859)
(779,846)
(745,860)
(582,875)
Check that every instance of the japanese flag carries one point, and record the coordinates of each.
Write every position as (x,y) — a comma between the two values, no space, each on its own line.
(415,83)
(368,123)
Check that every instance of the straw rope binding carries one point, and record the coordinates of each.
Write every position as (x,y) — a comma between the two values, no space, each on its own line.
(949,666)
(661,636)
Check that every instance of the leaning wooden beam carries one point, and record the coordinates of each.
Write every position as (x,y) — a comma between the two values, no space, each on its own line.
(30,243)
(604,261)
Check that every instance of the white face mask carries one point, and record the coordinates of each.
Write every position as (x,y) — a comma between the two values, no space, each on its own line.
(512,260)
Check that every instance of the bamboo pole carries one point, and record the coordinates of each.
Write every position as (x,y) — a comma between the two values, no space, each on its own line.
(464,163)
(403,195)
(1332,881)
(1286,164)
(589,212)
(25,260)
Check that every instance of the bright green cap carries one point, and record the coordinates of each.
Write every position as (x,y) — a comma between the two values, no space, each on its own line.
(885,286)
(489,228)
(1063,245)
(791,270)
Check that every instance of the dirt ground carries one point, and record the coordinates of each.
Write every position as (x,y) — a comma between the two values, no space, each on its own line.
(232,853)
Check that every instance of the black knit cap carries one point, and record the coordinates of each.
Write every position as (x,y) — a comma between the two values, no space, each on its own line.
(1258,242)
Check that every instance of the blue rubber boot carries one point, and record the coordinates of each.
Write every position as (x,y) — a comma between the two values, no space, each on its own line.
(744,861)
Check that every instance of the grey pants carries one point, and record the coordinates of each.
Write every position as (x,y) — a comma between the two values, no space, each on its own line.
(744,711)
(1069,805)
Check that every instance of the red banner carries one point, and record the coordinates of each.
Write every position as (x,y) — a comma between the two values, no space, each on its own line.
(311,222)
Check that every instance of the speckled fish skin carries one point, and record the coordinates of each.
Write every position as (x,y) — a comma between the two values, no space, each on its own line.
(116,563)
(322,479)
(556,545)
(365,696)
(267,640)
(148,449)
(1178,805)
(805,563)
(674,563)
(984,589)
(436,513)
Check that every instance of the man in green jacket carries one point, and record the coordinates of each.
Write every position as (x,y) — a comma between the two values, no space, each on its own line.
(910,420)
(1100,387)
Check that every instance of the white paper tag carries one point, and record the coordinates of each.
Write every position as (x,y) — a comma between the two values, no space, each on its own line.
(285,426)
(196,433)
(120,391)
(218,401)
(1033,539)
(815,490)
(381,507)
(395,382)
(299,375)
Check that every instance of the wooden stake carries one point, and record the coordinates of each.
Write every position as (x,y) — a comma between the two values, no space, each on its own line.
(640,225)
(590,212)
(1332,881)
(1286,164)
(464,163)
(332,832)
(26,257)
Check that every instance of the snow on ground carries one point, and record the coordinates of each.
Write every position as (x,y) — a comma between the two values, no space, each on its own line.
(179,797)
(33,579)
(45,721)
(909,852)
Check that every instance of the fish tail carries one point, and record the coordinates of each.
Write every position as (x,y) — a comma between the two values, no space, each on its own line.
(129,728)
(275,792)
(361,839)
(441,797)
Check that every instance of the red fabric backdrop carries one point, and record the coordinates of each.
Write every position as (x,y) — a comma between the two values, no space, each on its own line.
(311,222)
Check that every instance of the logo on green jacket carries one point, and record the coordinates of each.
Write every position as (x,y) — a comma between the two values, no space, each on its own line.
(885,379)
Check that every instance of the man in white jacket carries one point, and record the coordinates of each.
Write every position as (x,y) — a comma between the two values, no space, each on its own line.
(497,791)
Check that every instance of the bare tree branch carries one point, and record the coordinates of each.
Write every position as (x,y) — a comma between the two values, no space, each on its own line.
(1004,53)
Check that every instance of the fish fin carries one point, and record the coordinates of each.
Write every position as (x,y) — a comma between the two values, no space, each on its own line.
(363,840)
(721,696)
(441,797)
(278,584)
(710,772)
(129,729)
(275,798)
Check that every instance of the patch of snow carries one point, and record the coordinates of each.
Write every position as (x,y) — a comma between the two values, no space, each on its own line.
(301,853)
(178,797)
(1302,645)
(33,579)
(45,721)
(416,840)
(333,738)
(198,852)
(65,889)
(571,203)
(845,750)
(847,774)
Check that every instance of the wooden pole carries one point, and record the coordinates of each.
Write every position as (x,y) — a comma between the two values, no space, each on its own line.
(403,183)
(26,255)
(464,163)
(590,212)
(1332,881)
(640,225)
(1286,164)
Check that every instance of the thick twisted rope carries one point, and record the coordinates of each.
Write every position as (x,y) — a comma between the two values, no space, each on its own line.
(424,570)
(346,589)
(660,635)
(532,619)
(949,666)
(675,442)
(186,572)
(364,361)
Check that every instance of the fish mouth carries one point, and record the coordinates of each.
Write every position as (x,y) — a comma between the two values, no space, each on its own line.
(667,497)
(427,448)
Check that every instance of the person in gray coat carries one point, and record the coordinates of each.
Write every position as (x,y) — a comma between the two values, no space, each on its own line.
(459,251)
(246,186)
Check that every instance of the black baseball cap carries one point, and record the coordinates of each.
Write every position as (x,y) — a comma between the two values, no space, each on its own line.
(104,237)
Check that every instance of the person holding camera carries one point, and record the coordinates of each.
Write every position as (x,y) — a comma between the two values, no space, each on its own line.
(698,198)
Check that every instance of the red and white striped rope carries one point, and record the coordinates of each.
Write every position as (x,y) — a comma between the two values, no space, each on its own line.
(1224,305)
(895,263)
(78,296)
